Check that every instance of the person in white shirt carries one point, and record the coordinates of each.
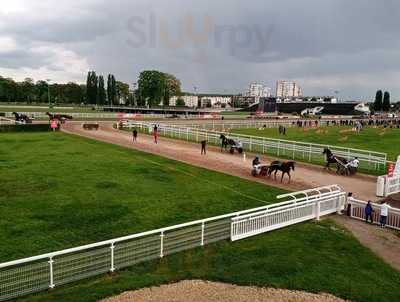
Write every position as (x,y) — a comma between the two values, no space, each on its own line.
(384,213)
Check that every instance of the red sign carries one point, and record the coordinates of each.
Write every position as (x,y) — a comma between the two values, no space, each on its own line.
(390,170)
(53,124)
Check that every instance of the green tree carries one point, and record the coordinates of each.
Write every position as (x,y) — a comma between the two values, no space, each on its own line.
(386,101)
(180,102)
(101,91)
(122,91)
(378,101)
(111,90)
(172,88)
(91,87)
(152,85)
(156,87)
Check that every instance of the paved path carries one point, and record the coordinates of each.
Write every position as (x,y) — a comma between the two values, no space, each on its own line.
(383,242)
(304,177)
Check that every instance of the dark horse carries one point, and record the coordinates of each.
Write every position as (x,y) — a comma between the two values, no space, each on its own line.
(284,167)
(22,118)
(229,142)
(60,117)
(333,159)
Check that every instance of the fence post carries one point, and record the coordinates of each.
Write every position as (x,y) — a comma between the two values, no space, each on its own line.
(317,210)
(162,244)
(279,145)
(51,273)
(202,233)
(112,269)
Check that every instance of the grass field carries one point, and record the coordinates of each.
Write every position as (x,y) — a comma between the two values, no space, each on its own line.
(10,108)
(60,191)
(374,139)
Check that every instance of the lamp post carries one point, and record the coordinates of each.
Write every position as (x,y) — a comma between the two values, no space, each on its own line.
(48,91)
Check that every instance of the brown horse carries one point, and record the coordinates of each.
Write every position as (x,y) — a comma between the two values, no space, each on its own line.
(284,167)
(60,117)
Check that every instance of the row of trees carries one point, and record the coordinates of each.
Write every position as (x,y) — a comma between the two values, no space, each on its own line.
(28,91)
(117,92)
(382,101)
(94,92)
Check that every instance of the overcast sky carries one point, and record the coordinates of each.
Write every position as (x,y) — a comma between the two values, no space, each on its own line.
(218,46)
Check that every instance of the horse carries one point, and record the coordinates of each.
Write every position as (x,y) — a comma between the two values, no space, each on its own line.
(284,167)
(226,141)
(22,118)
(333,159)
(60,117)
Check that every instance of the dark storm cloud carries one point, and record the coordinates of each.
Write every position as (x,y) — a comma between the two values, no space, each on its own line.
(216,45)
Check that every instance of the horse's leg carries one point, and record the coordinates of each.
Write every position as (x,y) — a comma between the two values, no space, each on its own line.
(276,171)
(289,176)
(283,174)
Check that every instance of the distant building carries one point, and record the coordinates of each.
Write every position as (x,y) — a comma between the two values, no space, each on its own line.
(288,89)
(215,101)
(189,100)
(258,91)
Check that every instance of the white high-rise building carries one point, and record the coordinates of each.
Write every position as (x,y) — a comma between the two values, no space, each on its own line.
(258,90)
(288,89)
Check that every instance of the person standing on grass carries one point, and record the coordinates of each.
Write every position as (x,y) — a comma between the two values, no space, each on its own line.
(134,134)
(155,133)
(368,212)
(203,147)
(384,213)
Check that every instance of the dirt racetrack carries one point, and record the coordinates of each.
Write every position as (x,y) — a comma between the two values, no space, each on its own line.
(305,176)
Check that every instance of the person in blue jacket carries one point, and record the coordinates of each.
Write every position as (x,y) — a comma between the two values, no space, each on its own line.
(368,212)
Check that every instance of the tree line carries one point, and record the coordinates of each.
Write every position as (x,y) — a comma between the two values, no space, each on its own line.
(94,92)
(382,101)
(155,88)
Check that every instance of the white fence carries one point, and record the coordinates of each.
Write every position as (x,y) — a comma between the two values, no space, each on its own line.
(392,185)
(304,205)
(79,115)
(369,160)
(8,121)
(34,274)
(357,211)
(227,125)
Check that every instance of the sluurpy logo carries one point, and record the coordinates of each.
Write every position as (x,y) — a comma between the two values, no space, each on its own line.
(200,34)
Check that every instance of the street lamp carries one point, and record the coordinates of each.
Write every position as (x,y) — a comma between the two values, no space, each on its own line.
(48,91)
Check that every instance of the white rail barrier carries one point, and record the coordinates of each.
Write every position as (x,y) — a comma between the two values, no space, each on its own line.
(304,205)
(357,211)
(38,273)
(392,185)
(369,160)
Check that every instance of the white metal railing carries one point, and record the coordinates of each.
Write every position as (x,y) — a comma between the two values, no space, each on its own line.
(304,205)
(33,274)
(227,125)
(357,211)
(45,271)
(8,121)
(369,160)
(92,115)
(392,185)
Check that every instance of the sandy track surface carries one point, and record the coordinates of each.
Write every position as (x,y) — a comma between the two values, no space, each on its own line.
(304,177)
(203,291)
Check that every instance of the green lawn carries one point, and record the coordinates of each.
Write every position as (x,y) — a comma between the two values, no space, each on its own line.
(60,191)
(374,139)
(45,109)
